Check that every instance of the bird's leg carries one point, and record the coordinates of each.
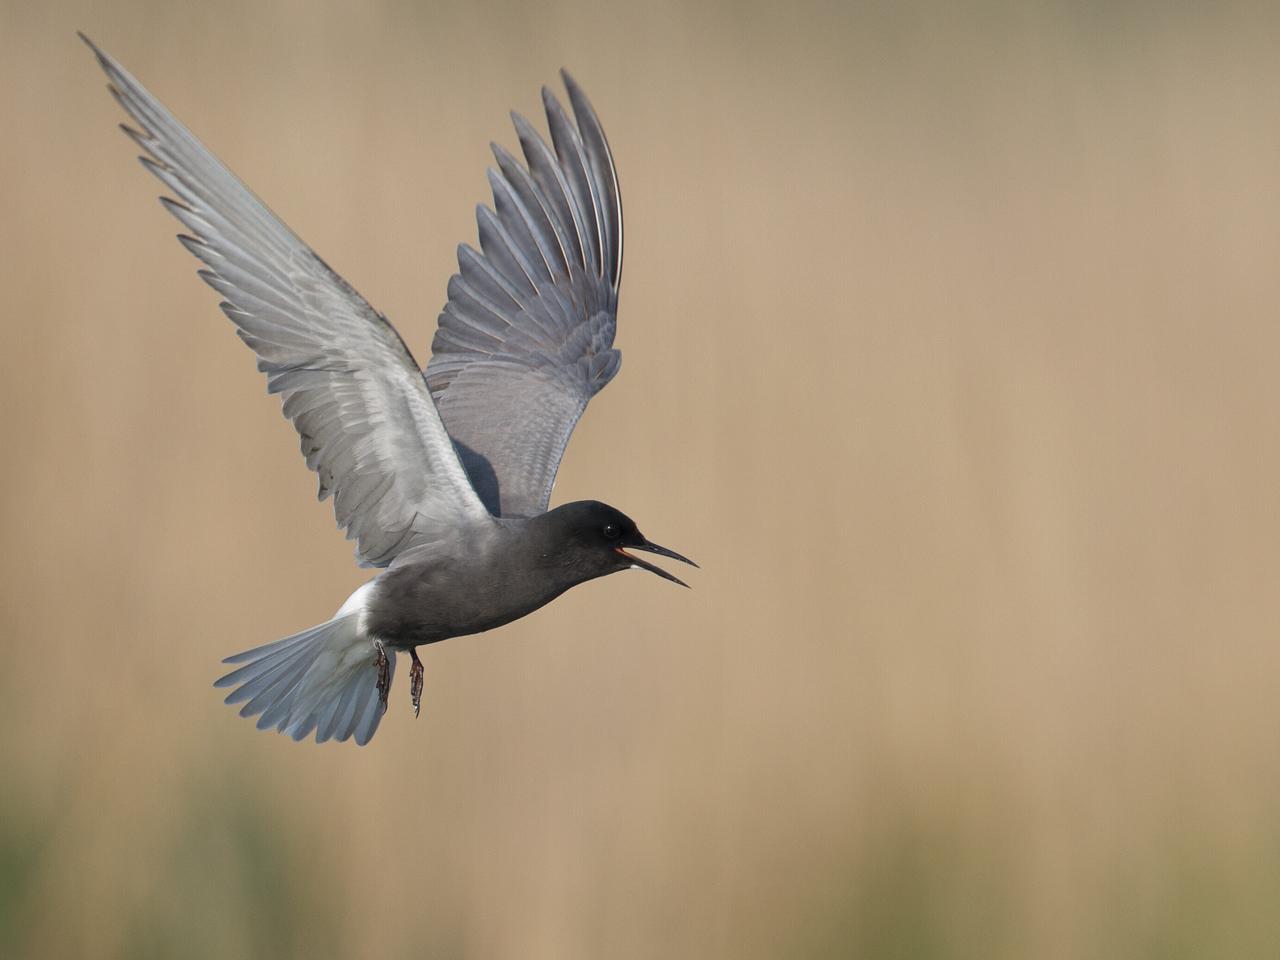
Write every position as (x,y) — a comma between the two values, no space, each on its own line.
(384,673)
(415,680)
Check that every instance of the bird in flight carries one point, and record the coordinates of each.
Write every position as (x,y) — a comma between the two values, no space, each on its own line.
(442,476)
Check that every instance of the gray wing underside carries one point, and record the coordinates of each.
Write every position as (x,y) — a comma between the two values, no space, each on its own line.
(526,339)
(368,425)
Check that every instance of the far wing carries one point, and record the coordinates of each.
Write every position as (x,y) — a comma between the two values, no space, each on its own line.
(526,339)
(368,424)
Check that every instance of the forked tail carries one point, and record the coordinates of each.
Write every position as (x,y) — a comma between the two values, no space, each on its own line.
(323,679)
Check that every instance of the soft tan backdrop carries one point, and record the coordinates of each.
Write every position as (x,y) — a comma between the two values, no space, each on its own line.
(950,339)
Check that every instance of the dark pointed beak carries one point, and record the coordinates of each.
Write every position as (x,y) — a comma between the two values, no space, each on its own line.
(648,547)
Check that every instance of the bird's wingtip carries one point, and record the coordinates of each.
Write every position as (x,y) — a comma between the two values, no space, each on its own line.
(97,52)
(109,66)
(570,84)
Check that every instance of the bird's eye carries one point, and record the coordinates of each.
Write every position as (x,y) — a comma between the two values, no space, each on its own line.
(612,531)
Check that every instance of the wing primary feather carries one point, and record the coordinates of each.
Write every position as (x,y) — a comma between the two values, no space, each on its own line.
(486,278)
(539,219)
(523,232)
(606,174)
(574,162)
(503,251)
(546,172)
(476,308)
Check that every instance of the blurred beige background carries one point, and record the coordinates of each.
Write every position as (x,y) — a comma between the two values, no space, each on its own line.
(950,338)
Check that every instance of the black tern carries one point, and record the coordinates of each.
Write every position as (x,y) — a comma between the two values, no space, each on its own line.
(442,476)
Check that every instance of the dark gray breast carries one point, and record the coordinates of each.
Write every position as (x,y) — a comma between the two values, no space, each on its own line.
(453,589)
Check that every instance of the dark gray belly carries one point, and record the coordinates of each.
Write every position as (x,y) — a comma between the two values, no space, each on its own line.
(417,605)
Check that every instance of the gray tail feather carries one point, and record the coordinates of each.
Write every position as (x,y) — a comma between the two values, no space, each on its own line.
(323,679)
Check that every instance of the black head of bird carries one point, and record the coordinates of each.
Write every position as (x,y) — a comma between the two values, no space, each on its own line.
(594,539)
(441,475)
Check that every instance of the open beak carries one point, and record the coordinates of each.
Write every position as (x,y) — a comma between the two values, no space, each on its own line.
(648,547)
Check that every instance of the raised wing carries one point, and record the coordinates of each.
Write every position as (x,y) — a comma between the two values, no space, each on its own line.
(369,427)
(526,339)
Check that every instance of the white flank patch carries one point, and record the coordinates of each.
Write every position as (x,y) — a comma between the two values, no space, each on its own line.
(358,602)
